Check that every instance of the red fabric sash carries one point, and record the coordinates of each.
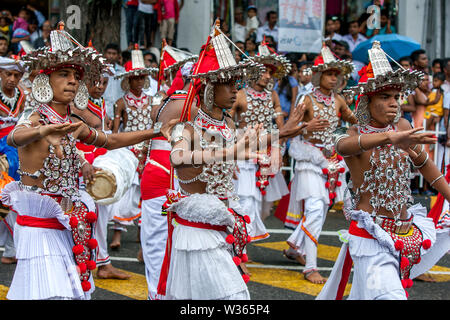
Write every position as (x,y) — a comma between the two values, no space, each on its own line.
(436,210)
(359,232)
(166,262)
(5,131)
(99,111)
(48,223)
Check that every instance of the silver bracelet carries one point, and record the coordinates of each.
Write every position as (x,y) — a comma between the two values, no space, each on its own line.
(13,142)
(423,163)
(435,180)
(106,140)
(359,143)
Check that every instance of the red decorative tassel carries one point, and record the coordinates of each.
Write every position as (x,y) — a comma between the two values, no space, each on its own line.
(86,285)
(340,158)
(266,183)
(338,183)
(236,261)
(327,185)
(230,239)
(247,219)
(341,170)
(91,217)
(246,278)
(82,266)
(258,184)
(92,244)
(91,265)
(249,239)
(73,222)
(263,192)
(78,249)
(258,174)
(325,171)
(409,283)
(426,244)
(404,262)
(407,294)
(398,245)
(244,258)
(404,283)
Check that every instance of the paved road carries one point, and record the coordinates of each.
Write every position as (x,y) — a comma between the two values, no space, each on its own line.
(273,276)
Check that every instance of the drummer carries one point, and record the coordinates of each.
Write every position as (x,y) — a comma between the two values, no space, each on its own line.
(11,105)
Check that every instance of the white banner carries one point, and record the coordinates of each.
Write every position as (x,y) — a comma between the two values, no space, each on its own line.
(301,25)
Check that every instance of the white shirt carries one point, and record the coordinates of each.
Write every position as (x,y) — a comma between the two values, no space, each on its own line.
(239,32)
(113,91)
(252,23)
(146,8)
(151,91)
(351,42)
(265,30)
(446,104)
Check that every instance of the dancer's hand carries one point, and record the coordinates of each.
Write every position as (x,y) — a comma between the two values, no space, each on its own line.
(292,128)
(317,124)
(407,138)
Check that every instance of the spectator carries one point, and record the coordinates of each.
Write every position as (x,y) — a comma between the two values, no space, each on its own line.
(150,60)
(250,47)
(113,90)
(239,27)
(270,28)
(240,45)
(271,42)
(146,23)
(168,14)
(287,89)
(131,8)
(434,106)
(354,37)
(446,67)
(5,26)
(20,30)
(252,24)
(33,29)
(4,45)
(385,24)
(406,62)
(225,28)
(330,32)
(304,78)
(420,60)
(337,25)
(34,13)
(340,48)
(420,100)
(44,39)
(436,66)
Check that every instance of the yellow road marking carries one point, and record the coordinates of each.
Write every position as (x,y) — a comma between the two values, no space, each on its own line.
(135,287)
(440,277)
(3,292)
(323,251)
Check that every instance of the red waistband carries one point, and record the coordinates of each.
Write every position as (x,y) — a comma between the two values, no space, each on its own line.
(200,224)
(359,232)
(5,131)
(48,223)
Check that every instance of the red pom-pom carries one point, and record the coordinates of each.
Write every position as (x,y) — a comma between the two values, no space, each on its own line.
(249,239)
(426,244)
(91,217)
(341,170)
(246,278)
(78,249)
(244,258)
(399,245)
(409,283)
(91,265)
(325,171)
(86,285)
(404,283)
(340,158)
(407,294)
(73,222)
(236,261)
(258,184)
(327,184)
(263,192)
(82,266)
(92,244)
(338,183)
(230,239)
(247,219)
(258,174)
(266,183)
(404,262)
(331,195)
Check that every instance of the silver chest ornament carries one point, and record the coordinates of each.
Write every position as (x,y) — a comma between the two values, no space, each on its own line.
(259,109)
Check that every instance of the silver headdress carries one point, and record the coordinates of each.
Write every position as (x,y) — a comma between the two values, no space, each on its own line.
(279,63)
(136,66)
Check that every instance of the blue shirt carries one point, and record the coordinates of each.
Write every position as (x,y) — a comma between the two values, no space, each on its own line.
(284,101)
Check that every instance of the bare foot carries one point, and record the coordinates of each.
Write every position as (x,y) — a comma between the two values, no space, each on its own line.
(115,243)
(315,277)
(109,272)
(139,256)
(244,269)
(9,260)
(426,277)
(299,258)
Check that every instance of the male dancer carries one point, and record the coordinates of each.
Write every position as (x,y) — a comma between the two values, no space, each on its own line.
(156,181)
(259,105)
(198,263)
(95,116)
(387,234)
(11,106)
(53,231)
(132,113)
(317,165)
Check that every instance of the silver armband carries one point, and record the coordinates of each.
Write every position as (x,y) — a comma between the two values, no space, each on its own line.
(177,133)
(157,127)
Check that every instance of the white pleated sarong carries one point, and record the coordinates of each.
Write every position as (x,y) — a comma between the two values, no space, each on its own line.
(46,267)
(201,266)
(375,261)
